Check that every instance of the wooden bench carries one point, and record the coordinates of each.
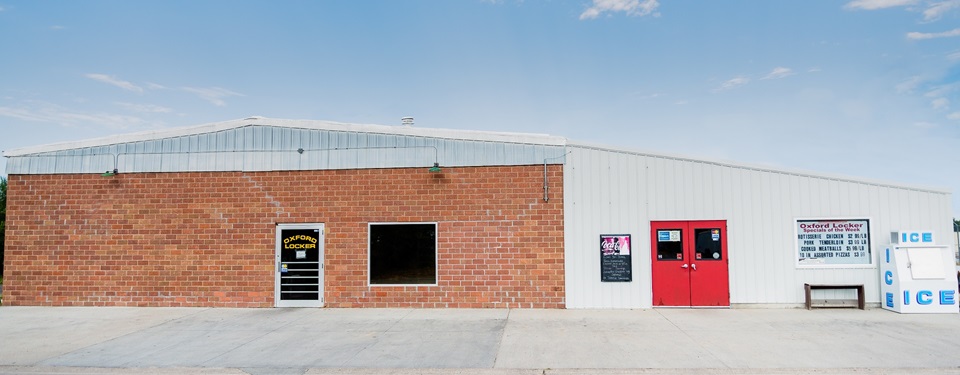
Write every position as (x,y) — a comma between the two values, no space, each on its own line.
(859,287)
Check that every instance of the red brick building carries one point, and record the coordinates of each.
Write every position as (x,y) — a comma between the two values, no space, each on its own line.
(219,224)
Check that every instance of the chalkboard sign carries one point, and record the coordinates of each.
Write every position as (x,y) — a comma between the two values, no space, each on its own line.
(615,262)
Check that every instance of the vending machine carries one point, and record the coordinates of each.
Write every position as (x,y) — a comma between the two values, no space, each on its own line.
(917,276)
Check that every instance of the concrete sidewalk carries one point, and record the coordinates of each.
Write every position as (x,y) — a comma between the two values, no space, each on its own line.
(82,340)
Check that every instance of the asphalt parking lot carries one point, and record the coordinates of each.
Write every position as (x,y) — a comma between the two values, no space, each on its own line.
(81,340)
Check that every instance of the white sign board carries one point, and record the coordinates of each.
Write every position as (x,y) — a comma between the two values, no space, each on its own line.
(833,242)
(668,236)
(913,237)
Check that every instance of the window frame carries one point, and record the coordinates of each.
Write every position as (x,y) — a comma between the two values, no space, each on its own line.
(870,244)
(436,252)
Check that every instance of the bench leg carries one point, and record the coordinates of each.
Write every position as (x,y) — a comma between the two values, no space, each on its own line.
(861,299)
(806,289)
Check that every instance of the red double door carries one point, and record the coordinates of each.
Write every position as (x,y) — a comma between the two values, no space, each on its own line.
(690,263)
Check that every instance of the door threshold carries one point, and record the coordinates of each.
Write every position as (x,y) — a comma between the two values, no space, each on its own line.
(692,307)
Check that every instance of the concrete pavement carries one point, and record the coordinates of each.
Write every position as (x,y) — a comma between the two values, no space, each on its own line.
(86,340)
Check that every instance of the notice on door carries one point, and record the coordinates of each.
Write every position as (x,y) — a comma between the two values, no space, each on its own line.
(615,262)
(833,242)
(668,236)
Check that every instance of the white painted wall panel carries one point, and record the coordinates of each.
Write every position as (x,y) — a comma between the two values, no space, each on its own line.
(613,191)
(609,187)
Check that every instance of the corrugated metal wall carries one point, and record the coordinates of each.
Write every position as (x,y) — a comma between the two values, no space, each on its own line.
(614,192)
(266,148)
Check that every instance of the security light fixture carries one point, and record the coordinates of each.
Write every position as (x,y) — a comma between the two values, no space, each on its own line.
(435,168)
(109,173)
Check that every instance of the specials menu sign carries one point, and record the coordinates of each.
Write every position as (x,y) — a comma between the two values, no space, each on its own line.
(833,242)
(616,263)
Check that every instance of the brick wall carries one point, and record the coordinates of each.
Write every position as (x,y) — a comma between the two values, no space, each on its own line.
(207,239)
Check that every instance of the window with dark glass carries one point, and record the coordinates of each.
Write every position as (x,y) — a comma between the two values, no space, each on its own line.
(707,244)
(669,244)
(403,254)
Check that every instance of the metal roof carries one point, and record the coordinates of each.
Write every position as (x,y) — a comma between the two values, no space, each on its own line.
(451,134)
(260,144)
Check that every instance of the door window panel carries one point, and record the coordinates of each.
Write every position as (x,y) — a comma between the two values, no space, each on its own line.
(300,264)
(707,244)
(669,244)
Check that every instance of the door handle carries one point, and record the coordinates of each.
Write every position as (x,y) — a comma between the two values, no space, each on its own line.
(684,266)
(694,266)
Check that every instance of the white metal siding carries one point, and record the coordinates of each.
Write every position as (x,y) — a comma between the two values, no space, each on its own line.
(610,192)
(269,148)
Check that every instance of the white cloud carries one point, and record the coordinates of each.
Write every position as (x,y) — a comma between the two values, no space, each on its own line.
(924,125)
(733,83)
(779,72)
(940,103)
(814,70)
(920,36)
(107,119)
(155,86)
(22,114)
(936,10)
(46,112)
(954,116)
(878,4)
(933,10)
(644,95)
(57,27)
(942,90)
(146,108)
(909,85)
(630,7)
(115,82)
(213,95)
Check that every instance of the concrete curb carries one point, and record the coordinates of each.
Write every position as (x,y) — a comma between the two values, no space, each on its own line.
(53,370)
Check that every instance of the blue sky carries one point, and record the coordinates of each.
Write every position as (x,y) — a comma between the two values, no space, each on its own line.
(863,88)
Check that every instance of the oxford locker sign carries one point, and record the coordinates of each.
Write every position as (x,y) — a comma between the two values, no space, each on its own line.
(833,243)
